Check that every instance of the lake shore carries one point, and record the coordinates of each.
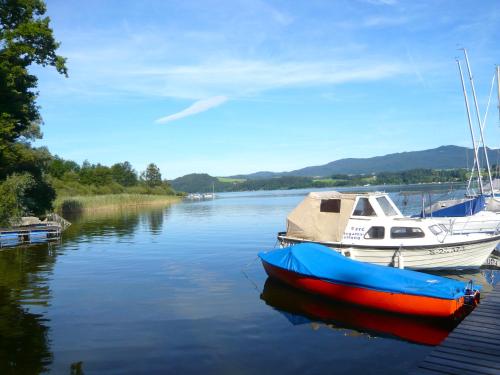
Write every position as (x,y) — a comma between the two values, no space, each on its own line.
(110,201)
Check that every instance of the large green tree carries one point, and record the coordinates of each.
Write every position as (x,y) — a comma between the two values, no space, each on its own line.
(124,174)
(152,175)
(26,39)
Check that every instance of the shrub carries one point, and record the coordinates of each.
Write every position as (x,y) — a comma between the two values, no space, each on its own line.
(15,202)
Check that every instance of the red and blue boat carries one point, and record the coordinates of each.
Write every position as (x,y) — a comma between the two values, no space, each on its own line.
(317,269)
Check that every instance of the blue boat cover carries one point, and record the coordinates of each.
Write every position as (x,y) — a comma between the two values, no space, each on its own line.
(467,208)
(318,261)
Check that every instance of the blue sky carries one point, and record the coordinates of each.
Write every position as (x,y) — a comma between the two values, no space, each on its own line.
(238,86)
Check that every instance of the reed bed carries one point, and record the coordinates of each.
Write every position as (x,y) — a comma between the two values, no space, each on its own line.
(110,201)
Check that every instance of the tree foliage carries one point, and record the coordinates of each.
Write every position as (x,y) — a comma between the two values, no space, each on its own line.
(152,175)
(15,200)
(124,174)
(26,39)
(71,179)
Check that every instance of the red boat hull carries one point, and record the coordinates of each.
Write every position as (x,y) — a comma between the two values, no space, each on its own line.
(388,301)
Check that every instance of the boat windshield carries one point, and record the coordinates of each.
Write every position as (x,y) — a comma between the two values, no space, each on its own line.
(364,208)
(386,206)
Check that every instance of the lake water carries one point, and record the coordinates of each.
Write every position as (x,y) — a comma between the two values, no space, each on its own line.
(179,290)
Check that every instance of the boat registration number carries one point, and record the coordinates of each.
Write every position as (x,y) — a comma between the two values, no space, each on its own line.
(446,250)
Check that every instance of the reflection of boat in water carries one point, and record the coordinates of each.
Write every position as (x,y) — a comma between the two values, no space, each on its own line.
(300,308)
(484,277)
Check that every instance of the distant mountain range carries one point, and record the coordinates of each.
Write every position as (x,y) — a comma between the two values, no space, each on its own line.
(444,157)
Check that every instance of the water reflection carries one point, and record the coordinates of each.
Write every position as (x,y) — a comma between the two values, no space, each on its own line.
(303,308)
(25,294)
(24,344)
(120,223)
(161,289)
(485,277)
(155,220)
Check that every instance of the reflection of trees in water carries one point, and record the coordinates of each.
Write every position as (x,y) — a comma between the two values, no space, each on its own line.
(24,345)
(155,219)
(114,223)
(120,222)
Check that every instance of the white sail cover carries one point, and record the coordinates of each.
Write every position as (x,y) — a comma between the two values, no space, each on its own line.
(323,222)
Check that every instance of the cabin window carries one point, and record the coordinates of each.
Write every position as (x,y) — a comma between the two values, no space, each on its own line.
(364,208)
(407,232)
(330,205)
(375,233)
(436,229)
(386,206)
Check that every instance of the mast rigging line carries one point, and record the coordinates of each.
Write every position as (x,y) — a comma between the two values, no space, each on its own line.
(478,116)
(479,179)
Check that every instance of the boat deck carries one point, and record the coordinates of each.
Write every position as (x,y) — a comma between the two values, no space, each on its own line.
(473,347)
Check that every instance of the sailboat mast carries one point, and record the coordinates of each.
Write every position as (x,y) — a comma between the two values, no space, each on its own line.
(479,179)
(479,121)
(498,87)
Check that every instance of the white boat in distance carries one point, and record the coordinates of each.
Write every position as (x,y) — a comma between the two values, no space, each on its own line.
(370,228)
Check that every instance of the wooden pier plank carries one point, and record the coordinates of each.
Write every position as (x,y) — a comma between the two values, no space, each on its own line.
(466,353)
(474,345)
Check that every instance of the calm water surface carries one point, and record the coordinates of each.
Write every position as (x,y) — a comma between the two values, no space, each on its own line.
(179,290)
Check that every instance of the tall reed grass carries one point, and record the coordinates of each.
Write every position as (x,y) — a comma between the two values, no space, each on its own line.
(109,201)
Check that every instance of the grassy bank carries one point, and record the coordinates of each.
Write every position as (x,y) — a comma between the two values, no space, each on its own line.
(110,201)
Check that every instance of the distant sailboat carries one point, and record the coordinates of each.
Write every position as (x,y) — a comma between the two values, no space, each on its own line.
(210,195)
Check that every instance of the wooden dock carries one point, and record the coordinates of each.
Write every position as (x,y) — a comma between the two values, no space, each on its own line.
(29,235)
(474,345)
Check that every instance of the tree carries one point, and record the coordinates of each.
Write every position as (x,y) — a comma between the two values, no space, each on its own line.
(152,175)
(58,167)
(26,39)
(15,200)
(124,174)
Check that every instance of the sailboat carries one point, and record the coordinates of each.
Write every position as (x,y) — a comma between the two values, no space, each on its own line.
(210,195)
(475,212)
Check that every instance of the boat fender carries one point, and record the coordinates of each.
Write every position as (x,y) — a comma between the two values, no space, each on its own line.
(398,254)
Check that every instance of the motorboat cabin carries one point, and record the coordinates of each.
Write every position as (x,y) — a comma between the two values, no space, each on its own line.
(370,227)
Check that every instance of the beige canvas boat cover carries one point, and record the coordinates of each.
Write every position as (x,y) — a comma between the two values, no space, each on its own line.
(307,221)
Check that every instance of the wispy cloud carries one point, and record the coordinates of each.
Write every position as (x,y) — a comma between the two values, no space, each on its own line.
(384,21)
(233,77)
(193,109)
(382,2)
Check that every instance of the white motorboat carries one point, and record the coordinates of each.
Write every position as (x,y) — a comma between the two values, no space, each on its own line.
(370,228)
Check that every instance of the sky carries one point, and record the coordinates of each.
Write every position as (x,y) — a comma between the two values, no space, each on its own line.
(237,86)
